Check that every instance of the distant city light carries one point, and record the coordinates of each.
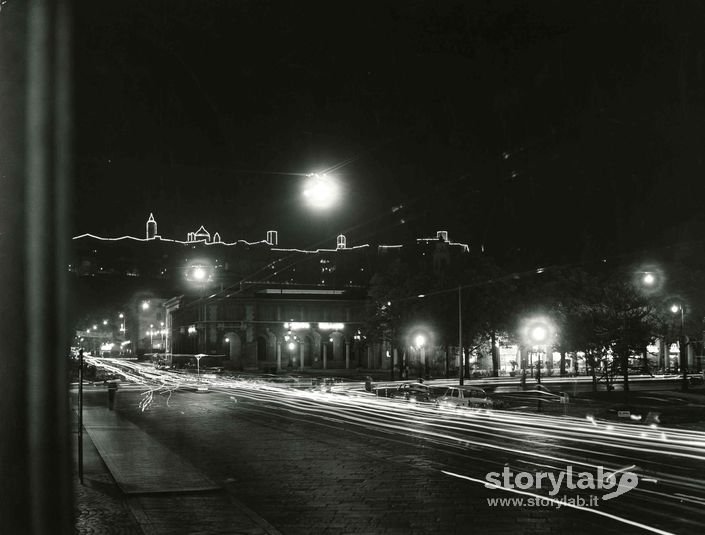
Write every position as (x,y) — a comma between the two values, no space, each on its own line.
(297,325)
(649,279)
(331,326)
(420,340)
(145,305)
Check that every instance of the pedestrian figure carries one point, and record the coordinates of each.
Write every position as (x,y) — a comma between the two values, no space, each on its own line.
(368,383)
(112,391)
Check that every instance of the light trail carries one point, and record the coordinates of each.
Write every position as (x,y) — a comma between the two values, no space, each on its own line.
(665,458)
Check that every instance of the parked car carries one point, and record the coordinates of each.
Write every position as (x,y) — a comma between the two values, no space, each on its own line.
(416,392)
(513,395)
(465,396)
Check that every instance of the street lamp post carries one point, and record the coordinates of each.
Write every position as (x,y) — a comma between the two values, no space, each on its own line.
(460,335)
(80,415)
(123,331)
(198,367)
(682,345)
(200,274)
(420,341)
(291,344)
(538,334)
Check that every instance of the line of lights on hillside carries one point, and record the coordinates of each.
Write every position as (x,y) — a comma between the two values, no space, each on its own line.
(238,242)
(465,247)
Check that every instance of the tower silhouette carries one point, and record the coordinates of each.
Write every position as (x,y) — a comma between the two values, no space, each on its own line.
(151,227)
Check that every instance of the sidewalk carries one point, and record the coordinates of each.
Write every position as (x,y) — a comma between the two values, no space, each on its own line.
(143,487)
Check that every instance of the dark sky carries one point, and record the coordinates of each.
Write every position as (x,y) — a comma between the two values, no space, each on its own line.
(538,126)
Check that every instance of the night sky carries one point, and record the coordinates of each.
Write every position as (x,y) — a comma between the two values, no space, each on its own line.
(542,128)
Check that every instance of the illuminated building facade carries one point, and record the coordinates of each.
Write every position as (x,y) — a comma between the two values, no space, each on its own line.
(272,328)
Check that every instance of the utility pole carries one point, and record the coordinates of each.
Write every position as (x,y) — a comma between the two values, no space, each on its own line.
(683,352)
(460,333)
(80,415)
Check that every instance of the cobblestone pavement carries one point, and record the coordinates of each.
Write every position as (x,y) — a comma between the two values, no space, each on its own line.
(308,479)
(133,484)
(99,506)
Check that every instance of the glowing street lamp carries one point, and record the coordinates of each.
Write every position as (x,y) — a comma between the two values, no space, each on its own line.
(682,344)
(538,333)
(291,341)
(200,273)
(649,279)
(420,343)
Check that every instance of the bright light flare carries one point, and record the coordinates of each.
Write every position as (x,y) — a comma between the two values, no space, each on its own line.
(538,330)
(199,273)
(538,333)
(321,191)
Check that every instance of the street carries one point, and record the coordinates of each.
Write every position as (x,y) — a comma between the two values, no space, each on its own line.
(348,462)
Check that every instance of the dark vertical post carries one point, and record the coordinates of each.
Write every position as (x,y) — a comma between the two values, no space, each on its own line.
(460,334)
(80,416)
(35,91)
(683,352)
(48,232)
(495,354)
(14,461)
(394,353)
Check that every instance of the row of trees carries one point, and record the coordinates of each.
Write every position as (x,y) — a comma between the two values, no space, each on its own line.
(597,309)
